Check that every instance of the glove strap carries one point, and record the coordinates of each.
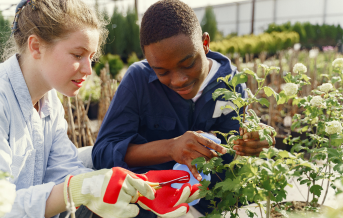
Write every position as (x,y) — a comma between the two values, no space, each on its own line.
(68,192)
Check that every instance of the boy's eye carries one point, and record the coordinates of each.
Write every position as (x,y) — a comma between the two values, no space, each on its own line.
(190,66)
(162,74)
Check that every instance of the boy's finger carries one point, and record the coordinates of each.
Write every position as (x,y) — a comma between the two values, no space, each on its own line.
(194,171)
(210,144)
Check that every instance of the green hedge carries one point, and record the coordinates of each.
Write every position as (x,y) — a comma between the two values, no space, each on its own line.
(114,61)
(311,35)
(255,44)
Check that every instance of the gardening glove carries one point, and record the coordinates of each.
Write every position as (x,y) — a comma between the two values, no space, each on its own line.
(169,202)
(108,192)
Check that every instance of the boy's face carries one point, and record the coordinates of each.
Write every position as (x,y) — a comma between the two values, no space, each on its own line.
(180,63)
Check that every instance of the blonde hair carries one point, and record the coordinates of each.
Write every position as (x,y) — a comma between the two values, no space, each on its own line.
(53,20)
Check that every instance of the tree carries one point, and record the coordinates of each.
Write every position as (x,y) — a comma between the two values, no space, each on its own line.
(116,42)
(209,23)
(132,33)
(5,32)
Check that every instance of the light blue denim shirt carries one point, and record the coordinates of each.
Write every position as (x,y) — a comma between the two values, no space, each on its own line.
(34,146)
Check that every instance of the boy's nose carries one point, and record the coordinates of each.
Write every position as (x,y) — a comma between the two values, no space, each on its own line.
(178,80)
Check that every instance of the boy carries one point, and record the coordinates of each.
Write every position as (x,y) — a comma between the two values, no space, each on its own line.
(163,101)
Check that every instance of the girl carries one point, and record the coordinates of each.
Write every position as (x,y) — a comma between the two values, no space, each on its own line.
(56,42)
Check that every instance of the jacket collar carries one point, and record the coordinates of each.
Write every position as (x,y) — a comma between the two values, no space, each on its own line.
(21,90)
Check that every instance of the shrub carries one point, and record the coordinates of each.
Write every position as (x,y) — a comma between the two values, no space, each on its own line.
(132,58)
(114,61)
(311,35)
(270,42)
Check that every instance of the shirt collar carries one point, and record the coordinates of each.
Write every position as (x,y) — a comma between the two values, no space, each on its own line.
(45,104)
(152,76)
(21,91)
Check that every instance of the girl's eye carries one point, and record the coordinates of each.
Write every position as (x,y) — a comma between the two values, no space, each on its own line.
(78,56)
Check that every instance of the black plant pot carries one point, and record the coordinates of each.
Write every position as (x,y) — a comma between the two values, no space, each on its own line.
(93,110)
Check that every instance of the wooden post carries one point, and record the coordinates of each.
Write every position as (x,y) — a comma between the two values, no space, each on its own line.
(78,120)
(253,17)
(71,120)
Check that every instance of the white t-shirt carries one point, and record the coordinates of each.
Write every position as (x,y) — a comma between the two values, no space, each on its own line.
(213,71)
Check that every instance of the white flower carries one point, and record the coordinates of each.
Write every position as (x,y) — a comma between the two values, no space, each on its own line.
(316,101)
(314,120)
(326,87)
(338,63)
(297,46)
(333,127)
(290,89)
(7,196)
(299,68)
(313,53)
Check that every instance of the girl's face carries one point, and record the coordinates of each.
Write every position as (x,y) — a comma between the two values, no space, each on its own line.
(66,64)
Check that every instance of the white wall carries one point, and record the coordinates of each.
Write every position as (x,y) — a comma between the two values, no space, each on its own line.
(278,11)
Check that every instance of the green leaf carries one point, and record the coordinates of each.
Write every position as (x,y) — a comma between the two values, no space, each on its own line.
(338,168)
(284,154)
(335,79)
(228,95)
(275,68)
(305,77)
(304,129)
(296,101)
(288,78)
(263,101)
(336,140)
(269,92)
(199,160)
(238,79)
(316,189)
(282,98)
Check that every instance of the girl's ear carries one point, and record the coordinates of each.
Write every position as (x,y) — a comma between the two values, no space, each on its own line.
(206,42)
(35,46)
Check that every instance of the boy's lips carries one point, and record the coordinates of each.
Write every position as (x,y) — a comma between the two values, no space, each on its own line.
(186,90)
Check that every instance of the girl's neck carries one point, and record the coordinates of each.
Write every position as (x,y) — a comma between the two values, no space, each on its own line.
(33,78)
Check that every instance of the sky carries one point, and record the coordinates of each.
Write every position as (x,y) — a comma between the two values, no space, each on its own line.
(121,4)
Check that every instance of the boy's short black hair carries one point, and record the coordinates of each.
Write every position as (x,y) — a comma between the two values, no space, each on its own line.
(168,18)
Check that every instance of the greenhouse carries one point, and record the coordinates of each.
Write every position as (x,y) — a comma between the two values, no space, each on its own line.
(171,108)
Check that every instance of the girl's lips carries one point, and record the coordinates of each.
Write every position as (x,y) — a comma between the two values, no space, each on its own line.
(79,83)
(185,91)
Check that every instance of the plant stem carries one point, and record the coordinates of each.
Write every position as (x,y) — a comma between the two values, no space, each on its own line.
(327,186)
(314,183)
(237,205)
(268,205)
(259,205)
(326,168)
(219,177)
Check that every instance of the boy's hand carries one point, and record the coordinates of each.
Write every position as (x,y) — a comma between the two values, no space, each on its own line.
(250,145)
(190,146)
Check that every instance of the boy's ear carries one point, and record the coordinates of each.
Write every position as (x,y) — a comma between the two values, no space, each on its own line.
(35,46)
(206,42)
